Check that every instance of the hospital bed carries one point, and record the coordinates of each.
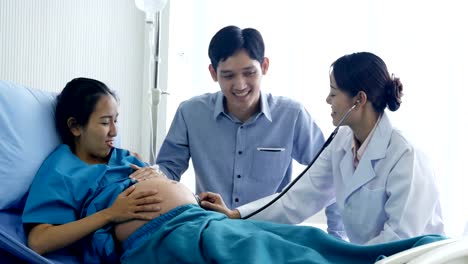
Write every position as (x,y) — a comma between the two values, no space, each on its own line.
(27,136)
(449,251)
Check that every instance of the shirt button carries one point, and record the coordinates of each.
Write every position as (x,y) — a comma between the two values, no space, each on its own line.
(240,152)
(238,176)
(236,200)
(241,127)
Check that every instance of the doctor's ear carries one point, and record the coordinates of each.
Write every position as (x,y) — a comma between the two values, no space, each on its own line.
(361,98)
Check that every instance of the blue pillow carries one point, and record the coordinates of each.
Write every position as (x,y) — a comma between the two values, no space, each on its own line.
(27,136)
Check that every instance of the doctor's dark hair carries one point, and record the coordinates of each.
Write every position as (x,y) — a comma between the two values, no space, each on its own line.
(231,39)
(364,71)
(78,100)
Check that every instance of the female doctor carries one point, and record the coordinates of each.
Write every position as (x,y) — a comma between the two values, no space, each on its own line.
(383,187)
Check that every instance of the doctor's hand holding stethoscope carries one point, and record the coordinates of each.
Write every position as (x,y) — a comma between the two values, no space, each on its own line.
(384,187)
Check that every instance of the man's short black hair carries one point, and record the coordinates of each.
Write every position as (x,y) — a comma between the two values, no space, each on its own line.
(231,39)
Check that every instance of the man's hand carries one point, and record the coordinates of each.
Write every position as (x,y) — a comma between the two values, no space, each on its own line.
(214,202)
(145,173)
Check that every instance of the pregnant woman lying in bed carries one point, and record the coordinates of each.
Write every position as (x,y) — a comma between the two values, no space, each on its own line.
(85,197)
(83,188)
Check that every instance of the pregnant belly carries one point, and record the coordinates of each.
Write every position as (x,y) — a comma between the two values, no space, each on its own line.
(172,193)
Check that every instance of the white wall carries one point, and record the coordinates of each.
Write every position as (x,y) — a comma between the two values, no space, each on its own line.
(46,43)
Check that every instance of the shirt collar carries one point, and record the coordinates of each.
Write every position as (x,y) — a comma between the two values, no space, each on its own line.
(358,153)
(264,106)
(219,106)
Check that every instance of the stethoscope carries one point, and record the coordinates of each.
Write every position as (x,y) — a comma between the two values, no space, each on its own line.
(285,190)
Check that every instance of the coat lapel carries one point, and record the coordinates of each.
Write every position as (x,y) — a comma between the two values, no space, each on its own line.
(375,151)
(346,166)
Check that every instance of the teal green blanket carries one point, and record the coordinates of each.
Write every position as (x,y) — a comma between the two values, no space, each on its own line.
(190,234)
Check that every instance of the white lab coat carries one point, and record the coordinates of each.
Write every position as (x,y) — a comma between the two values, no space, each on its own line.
(391,195)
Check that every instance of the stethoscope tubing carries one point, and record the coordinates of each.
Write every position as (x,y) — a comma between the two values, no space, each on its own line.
(285,190)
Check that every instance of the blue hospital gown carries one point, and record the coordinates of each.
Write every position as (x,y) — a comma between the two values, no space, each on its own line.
(66,189)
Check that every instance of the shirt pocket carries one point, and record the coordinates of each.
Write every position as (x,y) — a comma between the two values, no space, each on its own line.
(269,166)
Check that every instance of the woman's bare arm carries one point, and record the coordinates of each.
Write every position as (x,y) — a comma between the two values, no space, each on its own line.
(44,238)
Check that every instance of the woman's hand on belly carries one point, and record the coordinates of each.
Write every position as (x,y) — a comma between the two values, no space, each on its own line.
(171,194)
(134,204)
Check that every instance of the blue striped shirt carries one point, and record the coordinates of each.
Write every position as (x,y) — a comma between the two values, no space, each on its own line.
(241,161)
